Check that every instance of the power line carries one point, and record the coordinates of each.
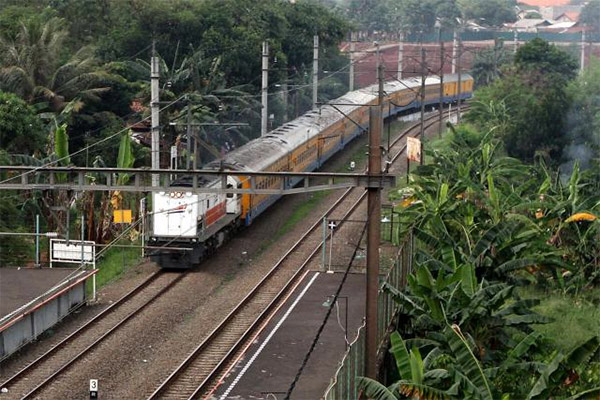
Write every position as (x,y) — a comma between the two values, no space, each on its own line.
(86,147)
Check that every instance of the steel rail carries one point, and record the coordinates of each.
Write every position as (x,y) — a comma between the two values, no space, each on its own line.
(244,302)
(105,335)
(16,377)
(272,305)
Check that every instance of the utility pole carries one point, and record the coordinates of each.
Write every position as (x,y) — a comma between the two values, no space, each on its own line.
(155,111)
(188,164)
(352,49)
(374,228)
(400,55)
(423,76)
(582,65)
(265,85)
(441,106)
(459,70)
(315,79)
(454,51)
(495,60)
(516,41)
(284,99)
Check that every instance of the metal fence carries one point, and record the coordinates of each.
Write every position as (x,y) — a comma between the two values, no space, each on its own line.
(343,385)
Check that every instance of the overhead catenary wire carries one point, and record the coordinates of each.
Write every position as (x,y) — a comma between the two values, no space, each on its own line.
(86,147)
(329,311)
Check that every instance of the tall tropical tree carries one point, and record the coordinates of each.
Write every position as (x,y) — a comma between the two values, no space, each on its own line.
(32,67)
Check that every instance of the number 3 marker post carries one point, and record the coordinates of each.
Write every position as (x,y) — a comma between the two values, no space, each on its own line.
(93,388)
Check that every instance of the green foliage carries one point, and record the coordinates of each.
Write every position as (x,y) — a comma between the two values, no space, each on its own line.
(528,107)
(61,145)
(488,64)
(576,314)
(583,118)
(486,225)
(125,159)
(489,12)
(21,130)
(542,57)
(590,15)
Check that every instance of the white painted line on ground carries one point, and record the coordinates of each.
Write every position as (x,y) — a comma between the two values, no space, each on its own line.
(268,338)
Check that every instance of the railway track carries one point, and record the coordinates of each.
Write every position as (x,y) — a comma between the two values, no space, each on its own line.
(37,375)
(198,373)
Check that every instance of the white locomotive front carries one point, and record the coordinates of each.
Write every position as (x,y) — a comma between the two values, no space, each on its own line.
(188,226)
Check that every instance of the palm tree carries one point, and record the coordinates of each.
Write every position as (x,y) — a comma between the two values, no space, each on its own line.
(487,64)
(32,69)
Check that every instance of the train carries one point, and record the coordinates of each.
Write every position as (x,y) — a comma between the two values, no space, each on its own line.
(186,227)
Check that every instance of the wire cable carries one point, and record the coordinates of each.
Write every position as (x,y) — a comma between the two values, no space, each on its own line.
(329,311)
(86,147)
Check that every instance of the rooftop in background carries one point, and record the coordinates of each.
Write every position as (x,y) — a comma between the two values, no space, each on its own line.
(545,3)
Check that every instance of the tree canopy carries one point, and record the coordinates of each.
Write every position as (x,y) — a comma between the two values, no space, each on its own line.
(21,131)
(590,15)
(529,105)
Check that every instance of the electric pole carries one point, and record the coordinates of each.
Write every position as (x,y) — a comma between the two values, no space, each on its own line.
(582,66)
(454,51)
(496,42)
(423,77)
(188,132)
(374,228)
(315,78)
(400,55)
(265,85)
(352,49)
(441,107)
(459,70)
(155,111)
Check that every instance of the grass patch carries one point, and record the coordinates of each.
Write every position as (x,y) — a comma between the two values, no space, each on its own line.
(576,317)
(300,213)
(114,263)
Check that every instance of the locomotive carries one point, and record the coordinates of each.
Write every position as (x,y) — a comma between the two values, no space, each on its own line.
(190,226)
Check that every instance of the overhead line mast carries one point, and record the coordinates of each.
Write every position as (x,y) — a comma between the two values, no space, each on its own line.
(155,113)
(374,226)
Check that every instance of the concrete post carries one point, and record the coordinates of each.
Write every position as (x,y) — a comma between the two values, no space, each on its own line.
(264,93)
(400,55)
(454,51)
(352,49)
(315,78)
(582,64)
(373,230)
(155,111)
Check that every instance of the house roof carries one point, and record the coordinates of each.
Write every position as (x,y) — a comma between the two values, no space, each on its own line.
(530,23)
(545,3)
(560,26)
(571,15)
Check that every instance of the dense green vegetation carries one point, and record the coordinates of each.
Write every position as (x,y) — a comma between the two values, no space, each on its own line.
(85,65)
(538,107)
(419,16)
(505,213)
(503,301)
(494,237)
